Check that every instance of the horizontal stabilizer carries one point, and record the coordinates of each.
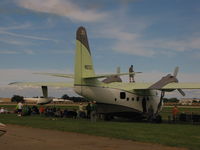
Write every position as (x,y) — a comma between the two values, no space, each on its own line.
(51,84)
(57,75)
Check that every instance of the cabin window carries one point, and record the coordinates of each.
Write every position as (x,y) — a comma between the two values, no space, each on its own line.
(115,99)
(133,99)
(138,98)
(122,95)
(127,98)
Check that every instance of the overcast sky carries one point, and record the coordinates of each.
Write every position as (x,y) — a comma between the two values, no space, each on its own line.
(154,36)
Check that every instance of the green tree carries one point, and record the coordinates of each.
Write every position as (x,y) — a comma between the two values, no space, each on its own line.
(65,96)
(17,98)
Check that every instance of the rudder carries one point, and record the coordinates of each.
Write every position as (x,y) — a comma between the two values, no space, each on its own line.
(83,59)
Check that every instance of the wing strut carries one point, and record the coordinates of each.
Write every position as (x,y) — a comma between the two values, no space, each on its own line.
(161,101)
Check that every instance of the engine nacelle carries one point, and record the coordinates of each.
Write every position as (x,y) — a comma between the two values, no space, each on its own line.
(43,101)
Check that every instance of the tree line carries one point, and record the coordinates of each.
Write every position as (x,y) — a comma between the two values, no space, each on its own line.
(18,98)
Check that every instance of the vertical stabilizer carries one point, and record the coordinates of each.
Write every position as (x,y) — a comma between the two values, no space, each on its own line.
(83,59)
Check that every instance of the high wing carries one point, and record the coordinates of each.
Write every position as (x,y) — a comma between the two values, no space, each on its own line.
(166,84)
(52,84)
(148,86)
(181,86)
(128,86)
(86,77)
(109,75)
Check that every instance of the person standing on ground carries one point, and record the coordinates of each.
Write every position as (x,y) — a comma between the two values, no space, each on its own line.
(131,76)
(93,115)
(88,108)
(175,112)
(2,110)
(81,111)
(41,110)
(19,108)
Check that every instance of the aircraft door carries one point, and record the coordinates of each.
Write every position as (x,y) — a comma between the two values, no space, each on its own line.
(144,105)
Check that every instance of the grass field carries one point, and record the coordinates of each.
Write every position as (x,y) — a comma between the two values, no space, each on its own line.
(167,110)
(167,134)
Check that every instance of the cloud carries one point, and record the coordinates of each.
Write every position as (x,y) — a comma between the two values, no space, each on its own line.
(29,52)
(129,39)
(129,42)
(133,47)
(14,52)
(9,91)
(14,41)
(187,44)
(9,52)
(27,36)
(15,75)
(18,27)
(134,43)
(63,8)
(26,75)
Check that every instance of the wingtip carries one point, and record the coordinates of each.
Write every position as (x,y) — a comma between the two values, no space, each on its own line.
(12,83)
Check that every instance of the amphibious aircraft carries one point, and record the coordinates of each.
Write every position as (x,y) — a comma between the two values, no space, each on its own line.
(113,97)
(42,100)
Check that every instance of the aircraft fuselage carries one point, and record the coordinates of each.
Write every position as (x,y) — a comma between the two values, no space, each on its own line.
(128,101)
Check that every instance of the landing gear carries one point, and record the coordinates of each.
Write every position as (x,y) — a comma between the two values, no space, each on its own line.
(107,117)
(156,118)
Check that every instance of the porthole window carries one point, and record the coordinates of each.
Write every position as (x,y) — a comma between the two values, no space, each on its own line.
(133,99)
(122,95)
(127,98)
(115,99)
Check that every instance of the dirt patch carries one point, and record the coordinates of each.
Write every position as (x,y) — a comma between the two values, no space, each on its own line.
(23,138)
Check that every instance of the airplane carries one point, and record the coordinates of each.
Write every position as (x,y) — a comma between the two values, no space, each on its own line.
(2,129)
(113,97)
(42,100)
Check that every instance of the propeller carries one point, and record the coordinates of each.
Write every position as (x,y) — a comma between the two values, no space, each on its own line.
(181,92)
(175,75)
(118,70)
(164,81)
(176,71)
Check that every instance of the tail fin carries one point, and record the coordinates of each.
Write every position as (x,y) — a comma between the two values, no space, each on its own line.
(83,59)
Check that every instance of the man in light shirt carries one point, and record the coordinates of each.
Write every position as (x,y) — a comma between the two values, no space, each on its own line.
(19,108)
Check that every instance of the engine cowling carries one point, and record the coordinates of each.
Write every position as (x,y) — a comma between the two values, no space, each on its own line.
(43,101)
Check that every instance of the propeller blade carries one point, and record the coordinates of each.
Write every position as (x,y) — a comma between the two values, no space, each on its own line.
(181,92)
(118,70)
(176,71)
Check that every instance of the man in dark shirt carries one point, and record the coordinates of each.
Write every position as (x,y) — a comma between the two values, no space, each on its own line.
(131,76)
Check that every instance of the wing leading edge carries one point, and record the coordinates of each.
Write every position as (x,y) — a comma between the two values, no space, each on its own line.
(147,86)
